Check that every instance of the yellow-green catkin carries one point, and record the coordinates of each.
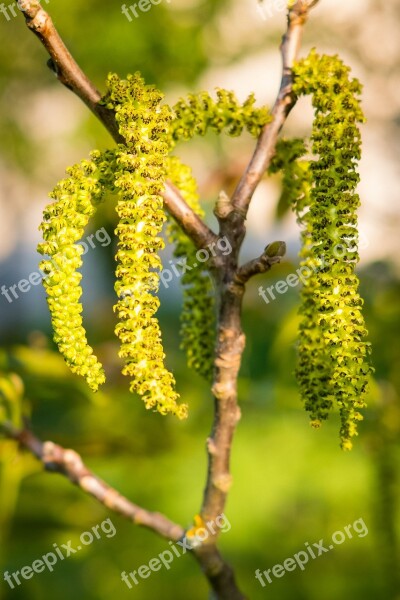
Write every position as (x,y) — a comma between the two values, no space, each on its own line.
(197,113)
(332,364)
(137,171)
(296,175)
(140,175)
(198,319)
(76,198)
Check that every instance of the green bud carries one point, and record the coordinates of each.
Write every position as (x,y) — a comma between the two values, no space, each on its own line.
(275,249)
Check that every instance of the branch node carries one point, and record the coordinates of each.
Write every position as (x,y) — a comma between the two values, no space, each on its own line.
(211,446)
(71,459)
(223,482)
(223,207)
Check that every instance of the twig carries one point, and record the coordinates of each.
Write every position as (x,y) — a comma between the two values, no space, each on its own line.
(271,256)
(57,459)
(188,220)
(284,103)
(69,463)
(71,75)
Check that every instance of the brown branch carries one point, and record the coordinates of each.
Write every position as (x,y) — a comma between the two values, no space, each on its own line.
(188,220)
(63,64)
(69,463)
(231,280)
(218,572)
(284,103)
(57,459)
(229,349)
(71,75)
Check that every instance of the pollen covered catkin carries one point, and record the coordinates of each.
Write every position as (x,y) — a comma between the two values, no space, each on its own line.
(197,113)
(140,175)
(332,364)
(296,174)
(76,199)
(198,319)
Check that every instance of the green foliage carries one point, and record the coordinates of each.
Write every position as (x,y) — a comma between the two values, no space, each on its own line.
(11,399)
(332,351)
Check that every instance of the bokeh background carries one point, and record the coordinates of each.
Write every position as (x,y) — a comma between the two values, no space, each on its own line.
(292,484)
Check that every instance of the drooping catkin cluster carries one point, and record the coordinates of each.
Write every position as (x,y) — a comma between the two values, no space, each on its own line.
(76,199)
(198,320)
(332,350)
(197,113)
(141,171)
(332,364)
(137,171)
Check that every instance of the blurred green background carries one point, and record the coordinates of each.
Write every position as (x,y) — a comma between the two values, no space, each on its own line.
(292,484)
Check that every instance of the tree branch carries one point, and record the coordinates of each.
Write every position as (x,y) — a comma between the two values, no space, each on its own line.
(63,64)
(69,463)
(229,350)
(71,75)
(218,572)
(189,221)
(265,149)
(57,459)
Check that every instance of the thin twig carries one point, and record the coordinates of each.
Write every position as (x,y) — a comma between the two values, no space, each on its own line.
(284,103)
(271,256)
(71,75)
(69,463)
(188,220)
